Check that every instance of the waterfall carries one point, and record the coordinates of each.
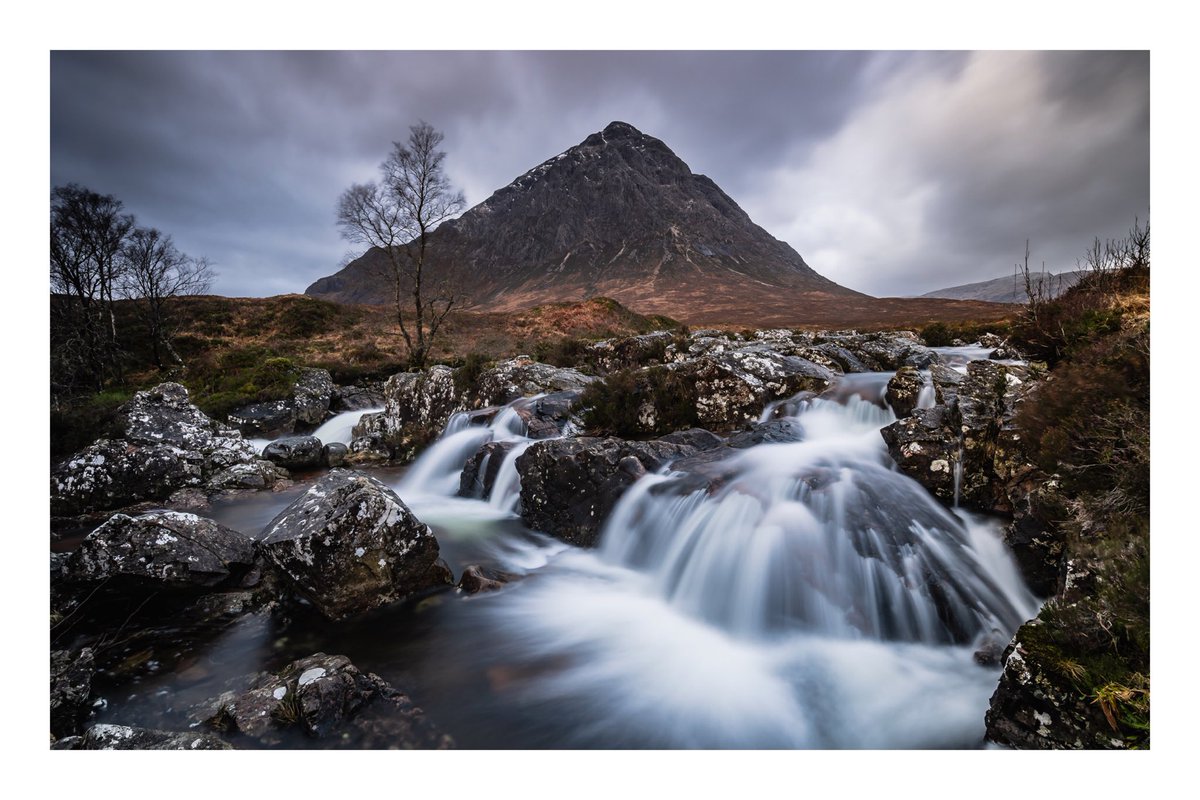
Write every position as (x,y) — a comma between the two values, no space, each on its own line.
(340,428)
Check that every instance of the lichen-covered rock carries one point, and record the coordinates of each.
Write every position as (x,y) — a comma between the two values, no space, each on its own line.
(523,377)
(946,381)
(312,395)
(168,444)
(256,475)
(647,349)
(904,390)
(731,386)
(116,473)
(124,737)
(925,446)
(265,420)
(70,689)
(349,545)
(325,697)
(164,549)
(570,486)
(417,406)
(295,452)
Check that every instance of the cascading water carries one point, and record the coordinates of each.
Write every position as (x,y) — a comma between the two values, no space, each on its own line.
(810,596)
(338,428)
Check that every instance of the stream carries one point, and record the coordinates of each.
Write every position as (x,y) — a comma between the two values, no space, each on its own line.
(814,597)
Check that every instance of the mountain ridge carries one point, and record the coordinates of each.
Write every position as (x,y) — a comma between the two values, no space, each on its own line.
(617,215)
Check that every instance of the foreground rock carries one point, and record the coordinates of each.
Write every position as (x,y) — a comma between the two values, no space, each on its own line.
(326,697)
(70,689)
(167,444)
(570,486)
(349,545)
(165,550)
(123,737)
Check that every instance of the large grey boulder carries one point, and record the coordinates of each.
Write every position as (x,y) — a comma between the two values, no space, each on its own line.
(523,377)
(349,545)
(163,549)
(167,444)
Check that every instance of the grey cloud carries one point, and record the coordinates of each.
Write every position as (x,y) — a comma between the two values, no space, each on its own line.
(241,156)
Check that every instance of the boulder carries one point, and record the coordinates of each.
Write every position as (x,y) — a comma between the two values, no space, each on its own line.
(479,474)
(325,697)
(295,453)
(903,391)
(256,475)
(334,454)
(925,446)
(355,398)
(124,737)
(168,444)
(265,420)
(523,377)
(417,406)
(163,550)
(349,545)
(570,486)
(550,416)
(629,352)
(312,396)
(945,383)
(117,473)
(70,689)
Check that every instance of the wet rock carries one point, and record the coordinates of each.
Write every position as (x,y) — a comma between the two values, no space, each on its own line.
(479,474)
(925,448)
(694,437)
(989,650)
(903,390)
(945,384)
(334,454)
(841,356)
(168,444)
(349,545)
(1034,536)
(991,340)
(116,473)
(550,416)
(355,398)
(312,396)
(417,406)
(256,475)
(570,486)
(524,377)
(476,579)
(164,549)
(295,453)
(265,420)
(70,689)
(123,737)
(326,697)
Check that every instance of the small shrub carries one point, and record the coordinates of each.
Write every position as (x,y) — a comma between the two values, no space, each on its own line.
(467,375)
(937,334)
(617,404)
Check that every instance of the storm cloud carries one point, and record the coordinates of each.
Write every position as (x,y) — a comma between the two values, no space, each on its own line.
(891,173)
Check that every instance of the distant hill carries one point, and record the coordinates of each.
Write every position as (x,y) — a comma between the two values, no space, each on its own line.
(1008,289)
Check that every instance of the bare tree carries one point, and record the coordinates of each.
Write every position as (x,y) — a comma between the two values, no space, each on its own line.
(154,273)
(396,215)
(87,232)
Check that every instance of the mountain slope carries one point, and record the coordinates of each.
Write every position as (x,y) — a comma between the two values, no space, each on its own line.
(1008,289)
(619,215)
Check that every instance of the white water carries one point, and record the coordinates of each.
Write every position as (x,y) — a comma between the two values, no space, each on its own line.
(815,598)
(338,428)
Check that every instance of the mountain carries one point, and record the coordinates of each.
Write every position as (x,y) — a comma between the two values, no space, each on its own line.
(1009,289)
(618,215)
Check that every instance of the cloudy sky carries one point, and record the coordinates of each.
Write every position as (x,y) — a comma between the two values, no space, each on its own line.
(891,173)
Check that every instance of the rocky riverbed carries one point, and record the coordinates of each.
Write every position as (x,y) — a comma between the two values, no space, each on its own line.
(695,575)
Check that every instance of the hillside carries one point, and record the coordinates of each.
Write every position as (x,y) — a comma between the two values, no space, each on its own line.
(1008,289)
